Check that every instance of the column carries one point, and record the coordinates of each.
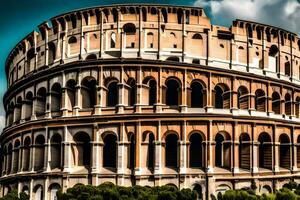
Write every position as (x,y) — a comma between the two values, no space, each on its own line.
(183,34)
(47,161)
(67,151)
(121,151)
(48,103)
(234,96)
(252,97)
(269,100)
(46,45)
(140,31)
(64,98)
(183,106)
(139,92)
(101,34)
(34,102)
(159,102)
(138,170)
(77,98)
(255,145)
(95,155)
(210,149)
(209,95)
(183,150)
(81,37)
(158,152)
(159,32)
(23,108)
(275,152)
(236,143)
(121,86)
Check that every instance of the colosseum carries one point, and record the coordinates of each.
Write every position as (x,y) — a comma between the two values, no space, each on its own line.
(151,95)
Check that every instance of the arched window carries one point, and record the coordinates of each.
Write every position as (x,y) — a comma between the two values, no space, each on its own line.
(260,100)
(243,98)
(9,158)
(164,15)
(197,36)
(173,92)
(51,53)
(26,154)
(10,113)
(53,189)
(88,92)
(16,154)
(171,151)
(38,192)
(288,104)
(173,58)
(56,100)
(112,94)
(287,68)
(273,58)
(150,40)
(39,153)
(152,92)
(276,103)
(150,152)
(196,151)
(74,47)
(221,96)
(298,150)
(265,151)
(82,151)
(297,107)
(28,105)
(70,86)
(56,151)
(131,163)
(110,151)
(196,95)
(284,151)
(244,151)
(132,92)
(198,189)
(223,150)
(18,109)
(113,40)
(40,102)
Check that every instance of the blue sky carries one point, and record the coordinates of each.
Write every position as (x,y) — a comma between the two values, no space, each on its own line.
(20,17)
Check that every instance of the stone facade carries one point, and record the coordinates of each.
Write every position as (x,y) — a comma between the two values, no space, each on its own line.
(151,95)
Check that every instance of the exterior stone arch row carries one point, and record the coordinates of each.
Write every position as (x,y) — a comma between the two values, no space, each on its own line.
(28,112)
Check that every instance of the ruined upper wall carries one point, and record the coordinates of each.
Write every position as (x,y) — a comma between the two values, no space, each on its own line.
(161,32)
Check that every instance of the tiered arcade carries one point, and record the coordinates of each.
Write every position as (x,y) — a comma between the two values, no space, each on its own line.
(151,95)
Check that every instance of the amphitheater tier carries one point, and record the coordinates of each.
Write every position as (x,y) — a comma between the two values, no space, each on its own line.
(151,95)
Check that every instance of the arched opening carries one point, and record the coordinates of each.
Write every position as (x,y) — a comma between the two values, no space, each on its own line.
(273,58)
(287,69)
(243,98)
(297,107)
(10,113)
(88,92)
(40,102)
(132,92)
(223,150)
(53,189)
(276,103)
(150,40)
(56,100)
(152,91)
(164,13)
(38,192)
(260,100)
(113,40)
(26,154)
(198,189)
(244,151)
(150,154)
(110,151)
(173,58)
(82,151)
(51,53)
(284,151)
(196,151)
(129,33)
(196,95)
(298,151)
(197,36)
(265,151)
(55,151)
(39,153)
(173,92)
(74,47)
(71,88)
(112,94)
(171,151)
(288,104)
(91,57)
(28,105)
(18,109)
(16,153)
(221,96)
(131,163)
(9,158)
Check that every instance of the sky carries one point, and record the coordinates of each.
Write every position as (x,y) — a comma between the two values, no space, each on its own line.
(20,17)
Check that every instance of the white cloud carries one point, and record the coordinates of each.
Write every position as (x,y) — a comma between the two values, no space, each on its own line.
(281,13)
(2,123)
